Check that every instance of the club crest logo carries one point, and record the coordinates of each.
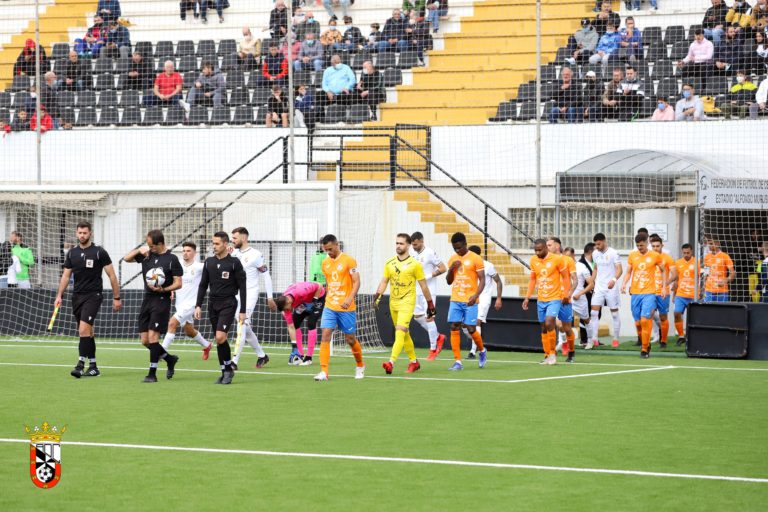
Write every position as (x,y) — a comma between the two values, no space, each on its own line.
(45,455)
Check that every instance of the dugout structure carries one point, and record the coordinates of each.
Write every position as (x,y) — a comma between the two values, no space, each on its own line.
(685,198)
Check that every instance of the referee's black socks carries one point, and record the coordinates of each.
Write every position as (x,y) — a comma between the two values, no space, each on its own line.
(82,348)
(225,355)
(92,351)
(154,356)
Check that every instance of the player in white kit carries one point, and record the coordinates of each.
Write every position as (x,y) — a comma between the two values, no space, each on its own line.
(185,298)
(606,276)
(484,301)
(433,266)
(254,265)
(584,284)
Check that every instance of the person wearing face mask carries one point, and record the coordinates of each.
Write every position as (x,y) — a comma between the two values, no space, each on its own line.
(370,90)
(740,97)
(248,50)
(759,16)
(739,13)
(690,108)
(417,35)
(278,20)
(353,38)
(338,82)
(331,37)
(304,108)
(310,55)
(592,98)
(605,16)
(663,111)
(309,24)
(636,5)
(582,44)
(608,47)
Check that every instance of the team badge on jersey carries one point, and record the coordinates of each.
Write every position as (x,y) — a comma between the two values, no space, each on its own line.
(45,455)
(88,263)
(225,275)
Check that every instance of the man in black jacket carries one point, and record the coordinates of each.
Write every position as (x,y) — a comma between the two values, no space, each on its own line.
(75,74)
(278,20)
(567,99)
(393,35)
(140,73)
(714,21)
(592,98)
(370,89)
(605,16)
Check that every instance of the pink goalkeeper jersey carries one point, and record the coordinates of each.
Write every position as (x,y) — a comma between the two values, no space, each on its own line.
(302,294)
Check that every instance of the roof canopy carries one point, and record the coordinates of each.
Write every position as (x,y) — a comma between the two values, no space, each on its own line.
(652,162)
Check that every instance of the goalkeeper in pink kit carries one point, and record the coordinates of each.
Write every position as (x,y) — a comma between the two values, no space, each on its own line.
(300,301)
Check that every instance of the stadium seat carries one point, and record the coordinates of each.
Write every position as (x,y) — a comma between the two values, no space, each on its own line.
(597,68)
(335,114)
(189,79)
(651,36)
(227,46)
(674,34)
(187,63)
(198,115)
(239,96)
(408,59)
(243,114)
(235,78)
(122,65)
(104,65)
(562,54)
(642,69)
(122,81)
(548,90)
(145,48)
(59,66)
(175,115)
(692,31)
(20,83)
(65,99)
(679,50)
(109,116)
(163,48)
(185,47)
(20,99)
(104,82)
(657,51)
(717,84)
(221,114)
(130,99)
(85,99)
(393,77)
(5,115)
(260,96)
(386,60)
(526,92)
(667,87)
(359,58)
(107,98)
(230,62)
(68,115)
(5,99)
(258,115)
(506,110)
(206,47)
(131,116)
(317,78)
(358,114)
(153,115)
(60,51)
(86,117)
(265,46)
(301,77)
(663,68)
(529,110)
(548,73)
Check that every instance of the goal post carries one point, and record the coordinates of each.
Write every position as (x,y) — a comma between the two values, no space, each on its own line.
(285,222)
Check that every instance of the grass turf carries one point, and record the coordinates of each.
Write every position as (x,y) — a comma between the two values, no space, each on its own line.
(704,420)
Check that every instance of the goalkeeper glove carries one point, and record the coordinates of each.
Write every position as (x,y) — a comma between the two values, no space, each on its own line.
(431,311)
(376,300)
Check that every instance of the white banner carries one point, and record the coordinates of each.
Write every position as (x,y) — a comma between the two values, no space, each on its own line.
(733,193)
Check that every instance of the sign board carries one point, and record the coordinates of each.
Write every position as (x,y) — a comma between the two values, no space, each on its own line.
(719,193)
(660,229)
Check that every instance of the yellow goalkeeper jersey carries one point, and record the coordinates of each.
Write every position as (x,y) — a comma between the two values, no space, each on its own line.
(403,276)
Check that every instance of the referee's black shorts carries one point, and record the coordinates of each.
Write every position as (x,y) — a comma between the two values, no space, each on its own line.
(155,313)
(85,306)
(221,313)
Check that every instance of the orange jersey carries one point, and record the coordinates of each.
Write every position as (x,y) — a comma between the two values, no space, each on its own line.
(547,273)
(465,280)
(669,262)
(643,271)
(338,277)
(718,265)
(687,272)
(566,285)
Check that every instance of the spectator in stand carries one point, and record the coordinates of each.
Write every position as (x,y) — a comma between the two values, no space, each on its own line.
(295,47)
(417,35)
(567,100)
(417,6)
(304,108)
(728,52)
(117,41)
(90,45)
(274,68)
(329,4)
(310,54)
(248,50)
(582,44)
(632,95)
(761,98)
(140,73)
(47,123)
(185,5)
(631,45)
(167,88)
(611,99)
(698,62)
(48,98)
(608,47)
(393,35)
(714,21)
(20,121)
(338,82)
(370,90)
(592,98)
(309,24)
(219,4)
(690,108)
(75,74)
(756,56)
(331,38)
(436,9)
(374,37)
(605,16)
(277,108)
(741,97)
(353,39)
(759,16)
(210,88)
(663,112)
(278,20)
(636,5)
(109,10)
(739,15)
(25,62)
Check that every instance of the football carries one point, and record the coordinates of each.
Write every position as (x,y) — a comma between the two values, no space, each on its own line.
(155,277)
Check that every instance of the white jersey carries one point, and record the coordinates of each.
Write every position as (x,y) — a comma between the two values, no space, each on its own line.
(582,274)
(490,286)
(186,296)
(14,269)
(429,262)
(253,264)
(605,263)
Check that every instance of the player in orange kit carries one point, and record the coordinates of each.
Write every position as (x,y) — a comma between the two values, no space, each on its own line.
(684,286)
(662,303)
(718,267)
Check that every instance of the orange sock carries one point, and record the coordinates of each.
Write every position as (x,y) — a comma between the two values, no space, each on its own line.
(545,342)
(552,341)
(638,326)
(664,330)
(456,344)
(679,328)
(478,341)
(357,352)
(570,338)
(645,334)
(325,355)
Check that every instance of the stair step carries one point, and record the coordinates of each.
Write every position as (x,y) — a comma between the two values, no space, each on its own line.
(411,195)
(429,206)
(443,217)
(451,227)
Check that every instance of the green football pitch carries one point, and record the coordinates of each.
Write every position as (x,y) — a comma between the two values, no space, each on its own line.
(611,432)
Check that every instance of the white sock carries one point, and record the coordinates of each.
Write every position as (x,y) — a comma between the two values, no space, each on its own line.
(616,324)
(594,321)
(253,341)
(433,334)
(202,341)
(168,340)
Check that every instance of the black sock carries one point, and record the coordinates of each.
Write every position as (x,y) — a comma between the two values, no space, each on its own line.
(92,350)
(225,355)
(154,357)
(162,351)
(82,348)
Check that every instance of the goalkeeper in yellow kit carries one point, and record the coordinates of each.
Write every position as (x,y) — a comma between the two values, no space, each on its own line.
(401,273)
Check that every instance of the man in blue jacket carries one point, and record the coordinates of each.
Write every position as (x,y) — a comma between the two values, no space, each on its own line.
(338,82)
(608,47)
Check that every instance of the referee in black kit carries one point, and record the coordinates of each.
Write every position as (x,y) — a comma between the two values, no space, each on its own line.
(226,277)
(155,312)
(86,262)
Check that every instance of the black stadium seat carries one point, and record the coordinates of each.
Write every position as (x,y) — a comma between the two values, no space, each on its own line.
(5,99)
(185,47)
(335,114)
(104,82)
(20,99)
(260,96)
(130,99)
(667,87)
(164,48)
(145,48)
(651,35)
(673,34)
(386,60)
(679,50)
(239,96)
(198,115)
(153,115)
(227,46)
(206,47)
(20,83)
(358,114)
(187,63)
(221,115)
(243,114)
(529,110)
(393,77)
(65,99)
(104,65)
(60,51)
(109,116)
(656,51)
(108,98)
(507,110)
(663,68)
(85,99)
(86,117)
(408,59)
(131,116)
(175,115)
(5,116)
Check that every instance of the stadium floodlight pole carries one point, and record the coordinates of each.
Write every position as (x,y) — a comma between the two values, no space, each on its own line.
(38,141)
(538,118)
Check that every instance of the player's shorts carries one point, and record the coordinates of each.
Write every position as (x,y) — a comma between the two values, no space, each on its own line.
(681,303)
(185,315)
(85,306)
(606,297)
(643,305)
(566,313)
(459,312)
(716,297)
(155,313)
(483,306)
(421,301)
(345,321)
(401,314)
(581,307)
(251,299)
(549,308)
(662,305)
(221,313)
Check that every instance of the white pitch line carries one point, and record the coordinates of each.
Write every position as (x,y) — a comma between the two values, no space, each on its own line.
(408,460)
(382,377)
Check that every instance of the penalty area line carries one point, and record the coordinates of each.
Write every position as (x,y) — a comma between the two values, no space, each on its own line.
(408,460)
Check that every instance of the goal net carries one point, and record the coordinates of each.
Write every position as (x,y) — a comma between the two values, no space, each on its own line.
(285,223)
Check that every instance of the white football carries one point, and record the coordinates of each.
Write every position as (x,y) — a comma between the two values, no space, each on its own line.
(155,277)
